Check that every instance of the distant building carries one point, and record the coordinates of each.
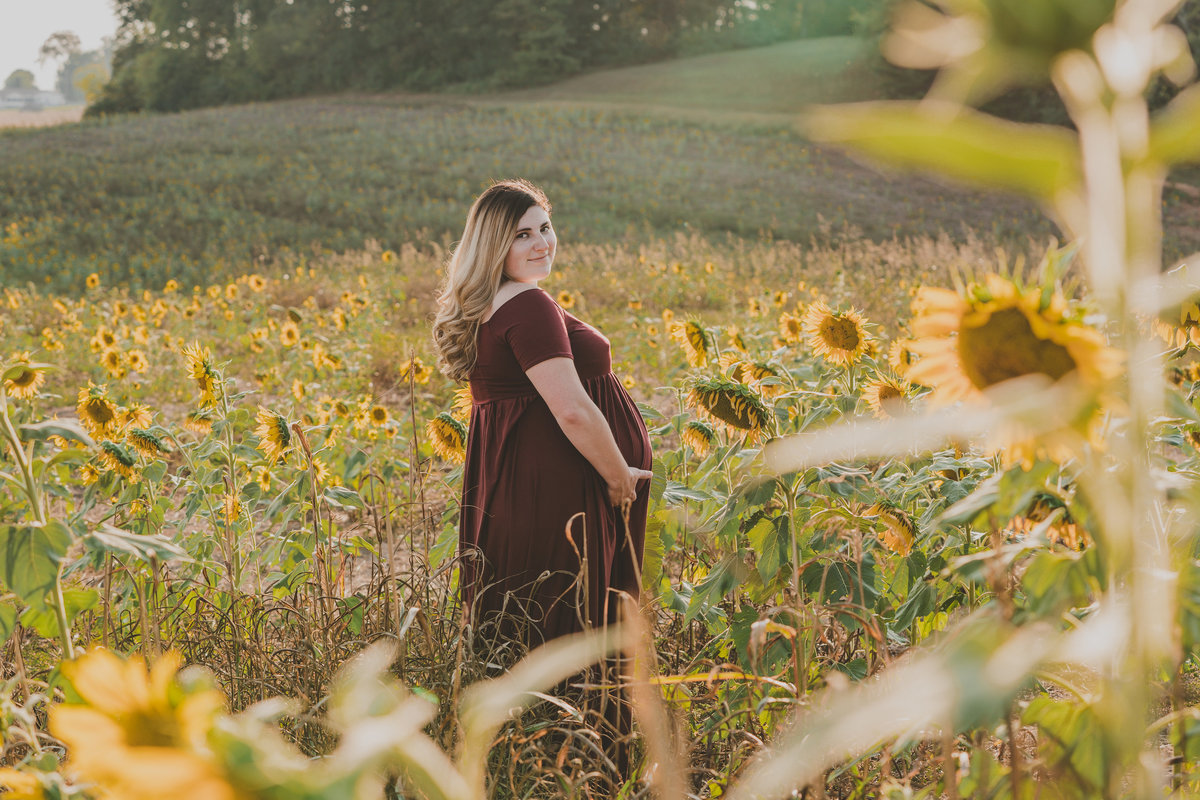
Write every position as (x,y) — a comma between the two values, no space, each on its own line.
(30,99)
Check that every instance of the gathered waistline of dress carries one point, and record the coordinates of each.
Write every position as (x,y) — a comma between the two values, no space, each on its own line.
(534,393)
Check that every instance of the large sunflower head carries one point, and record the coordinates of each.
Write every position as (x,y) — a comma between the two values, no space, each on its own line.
(448,436)
(132,720)
(732,404)
(836,336)
(96,411)
(273,432)
(997,331)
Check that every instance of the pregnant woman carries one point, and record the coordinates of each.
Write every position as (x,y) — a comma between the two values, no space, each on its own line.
(555,486)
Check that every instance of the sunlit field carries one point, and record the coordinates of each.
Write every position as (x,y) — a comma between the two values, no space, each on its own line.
(923,514)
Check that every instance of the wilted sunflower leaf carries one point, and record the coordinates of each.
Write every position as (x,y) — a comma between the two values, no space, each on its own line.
(111,539)
(1037,160)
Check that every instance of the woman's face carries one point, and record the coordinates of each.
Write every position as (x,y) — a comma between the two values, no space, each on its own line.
(532,251)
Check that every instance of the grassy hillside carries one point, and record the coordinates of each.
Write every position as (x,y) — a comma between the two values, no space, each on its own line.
(778,79)
(204,193)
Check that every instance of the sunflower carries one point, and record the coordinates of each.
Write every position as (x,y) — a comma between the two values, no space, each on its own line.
(88,474)
(694,340)
(92,281)
(24,378)
(146,443)
(298,389)
(21,785)
(200,370)
(667,315)
(779,298)
(736,367)
(886,396)
(901,357)
(51,342)
(734,337)
(136,415)
(289,334)
(104,339)
(379,416)
(836,336)
(700,437)
(199,422)
(273,432)
(635,304)
(628,382)
(566,299)
(791,328)
(417,370)
(112,361)
(117,459)
(754,306)
(387,257)
(899,533)
(997,331)
(709,267)
(321,472)
(461,408)
(130,721)
(137,361)
(1049,516)
(262,476)
(95,410)
(256,283)
(731,403)
(448,436)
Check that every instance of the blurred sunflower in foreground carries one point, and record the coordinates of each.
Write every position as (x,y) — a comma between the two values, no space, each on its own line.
(138,732)
(995,331)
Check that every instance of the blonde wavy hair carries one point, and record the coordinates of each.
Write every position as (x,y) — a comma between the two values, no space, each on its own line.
(475,271)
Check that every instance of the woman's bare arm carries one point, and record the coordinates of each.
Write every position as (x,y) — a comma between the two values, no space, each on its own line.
(585,426)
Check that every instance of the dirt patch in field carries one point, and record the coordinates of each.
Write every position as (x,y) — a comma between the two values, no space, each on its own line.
(12,118)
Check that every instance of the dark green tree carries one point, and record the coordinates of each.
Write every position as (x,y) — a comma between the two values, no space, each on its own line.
(20,79)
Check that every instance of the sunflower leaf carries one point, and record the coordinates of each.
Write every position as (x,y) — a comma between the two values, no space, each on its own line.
(30,557)
(1173,138)
(1036,160)
(68,429)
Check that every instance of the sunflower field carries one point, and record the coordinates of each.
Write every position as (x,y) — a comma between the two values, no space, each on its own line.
(923,518)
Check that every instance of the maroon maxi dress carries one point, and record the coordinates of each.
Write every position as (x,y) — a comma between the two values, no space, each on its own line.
(524,483)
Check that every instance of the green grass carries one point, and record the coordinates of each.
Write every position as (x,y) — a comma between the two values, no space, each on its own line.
(775,80)
(213,192)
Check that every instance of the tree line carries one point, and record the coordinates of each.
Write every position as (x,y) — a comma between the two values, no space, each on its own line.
(176,54)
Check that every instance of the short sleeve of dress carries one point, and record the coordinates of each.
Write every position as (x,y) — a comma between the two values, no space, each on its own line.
(535,328)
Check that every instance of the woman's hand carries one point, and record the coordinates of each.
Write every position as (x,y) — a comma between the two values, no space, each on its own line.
(625,490)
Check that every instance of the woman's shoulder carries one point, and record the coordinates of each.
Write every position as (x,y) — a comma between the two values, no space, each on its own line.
(512,295)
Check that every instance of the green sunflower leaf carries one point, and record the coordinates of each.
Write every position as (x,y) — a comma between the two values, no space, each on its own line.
(1036,160)
(1173,133)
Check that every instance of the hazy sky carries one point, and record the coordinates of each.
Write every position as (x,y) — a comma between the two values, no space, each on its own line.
(25,24)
